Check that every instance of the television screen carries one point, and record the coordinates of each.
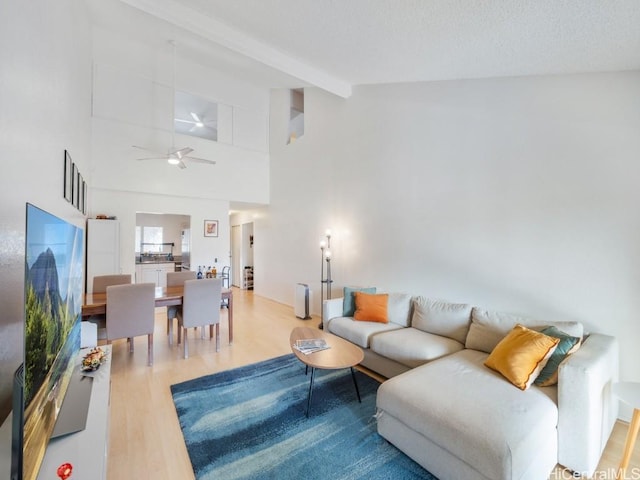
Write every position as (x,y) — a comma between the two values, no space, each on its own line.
(53,303)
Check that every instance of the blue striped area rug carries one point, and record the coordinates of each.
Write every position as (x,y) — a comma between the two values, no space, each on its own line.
(250,423)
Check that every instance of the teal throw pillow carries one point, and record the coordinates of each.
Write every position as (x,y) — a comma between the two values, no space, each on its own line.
(349,301)
(567,345)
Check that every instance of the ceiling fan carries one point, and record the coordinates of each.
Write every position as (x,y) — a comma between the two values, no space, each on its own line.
(177,156)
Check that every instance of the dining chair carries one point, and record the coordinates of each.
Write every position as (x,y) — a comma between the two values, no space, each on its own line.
(100,284)
(226,276)
(200,307)
(176,279)
(131,313)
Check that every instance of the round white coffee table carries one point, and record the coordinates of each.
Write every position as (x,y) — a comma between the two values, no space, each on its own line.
(629,393)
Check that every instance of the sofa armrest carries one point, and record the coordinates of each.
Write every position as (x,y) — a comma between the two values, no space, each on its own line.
(332,308)
(587,409)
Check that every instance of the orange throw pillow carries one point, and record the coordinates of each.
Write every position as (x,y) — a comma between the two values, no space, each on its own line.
(371,307)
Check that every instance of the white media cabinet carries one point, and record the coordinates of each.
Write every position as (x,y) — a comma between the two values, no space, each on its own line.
(86,450)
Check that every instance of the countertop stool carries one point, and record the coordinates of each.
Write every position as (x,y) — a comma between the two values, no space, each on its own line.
(629,393)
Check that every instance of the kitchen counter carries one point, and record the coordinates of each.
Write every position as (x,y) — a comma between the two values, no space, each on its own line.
(158,259)
(145,262)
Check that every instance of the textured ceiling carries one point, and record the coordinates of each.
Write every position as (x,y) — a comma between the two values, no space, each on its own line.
(381,41)
(388,41)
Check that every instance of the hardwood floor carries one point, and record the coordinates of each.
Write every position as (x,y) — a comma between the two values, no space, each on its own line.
(145,441)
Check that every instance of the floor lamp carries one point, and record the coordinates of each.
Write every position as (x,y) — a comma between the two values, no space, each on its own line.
(325,256)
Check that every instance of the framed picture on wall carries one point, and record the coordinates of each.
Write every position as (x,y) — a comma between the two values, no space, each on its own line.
(211,228)
(81,194)
(75,176)
(78,191)
(84,197)
(68,178)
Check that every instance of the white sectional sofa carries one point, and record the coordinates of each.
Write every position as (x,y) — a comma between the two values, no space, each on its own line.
(460,419)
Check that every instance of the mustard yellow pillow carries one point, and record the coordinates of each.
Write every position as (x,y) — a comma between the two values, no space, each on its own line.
(371,307)
(521,355)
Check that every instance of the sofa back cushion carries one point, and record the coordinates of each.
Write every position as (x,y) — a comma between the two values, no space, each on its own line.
(441,318)
(399,309)
(488,328)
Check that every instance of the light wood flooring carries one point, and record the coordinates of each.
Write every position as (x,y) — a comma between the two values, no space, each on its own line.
(145,441)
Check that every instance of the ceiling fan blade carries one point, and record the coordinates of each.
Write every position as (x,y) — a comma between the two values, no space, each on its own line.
(200,160)
(181,152)
(147,150)
(182,165)
(196,117)
(152,158)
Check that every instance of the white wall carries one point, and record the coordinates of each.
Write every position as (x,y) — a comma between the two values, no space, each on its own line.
(516,194)
(45,99)
(132,105)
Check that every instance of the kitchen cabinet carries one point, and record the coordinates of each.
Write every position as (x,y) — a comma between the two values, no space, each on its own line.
(154,273)
(103,249)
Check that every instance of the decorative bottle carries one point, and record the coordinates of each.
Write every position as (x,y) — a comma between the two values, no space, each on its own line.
(199,275)
(214,272)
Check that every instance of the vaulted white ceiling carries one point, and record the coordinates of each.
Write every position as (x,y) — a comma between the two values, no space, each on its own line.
(335,44)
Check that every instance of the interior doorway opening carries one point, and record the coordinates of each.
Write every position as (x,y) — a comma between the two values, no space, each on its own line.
(242,240)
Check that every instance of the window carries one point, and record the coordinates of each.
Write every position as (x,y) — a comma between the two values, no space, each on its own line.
(149,239)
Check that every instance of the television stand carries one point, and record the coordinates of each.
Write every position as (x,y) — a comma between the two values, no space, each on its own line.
(86,449)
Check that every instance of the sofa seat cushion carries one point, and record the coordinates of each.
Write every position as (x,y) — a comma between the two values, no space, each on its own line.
(358,331)
(474,413)
(413,347)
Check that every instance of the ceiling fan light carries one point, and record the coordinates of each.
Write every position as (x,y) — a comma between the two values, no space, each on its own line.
(199,124)
(173,161)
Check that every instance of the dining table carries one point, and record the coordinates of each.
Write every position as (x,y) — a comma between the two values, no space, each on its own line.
(96,303)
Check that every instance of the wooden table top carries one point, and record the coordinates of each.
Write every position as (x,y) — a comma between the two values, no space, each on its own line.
(342,354)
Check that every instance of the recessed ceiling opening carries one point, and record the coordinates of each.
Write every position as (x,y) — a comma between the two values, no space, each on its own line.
(195,116)
(296,115)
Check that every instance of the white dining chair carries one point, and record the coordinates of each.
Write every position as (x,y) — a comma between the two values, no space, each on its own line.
(175,279)
(200,307)
(131,313)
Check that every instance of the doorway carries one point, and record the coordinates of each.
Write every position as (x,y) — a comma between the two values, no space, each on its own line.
(242,255)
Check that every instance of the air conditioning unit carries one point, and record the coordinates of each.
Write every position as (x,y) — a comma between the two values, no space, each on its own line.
(302,301)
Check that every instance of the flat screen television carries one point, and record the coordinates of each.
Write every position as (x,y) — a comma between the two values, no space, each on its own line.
(54,252)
